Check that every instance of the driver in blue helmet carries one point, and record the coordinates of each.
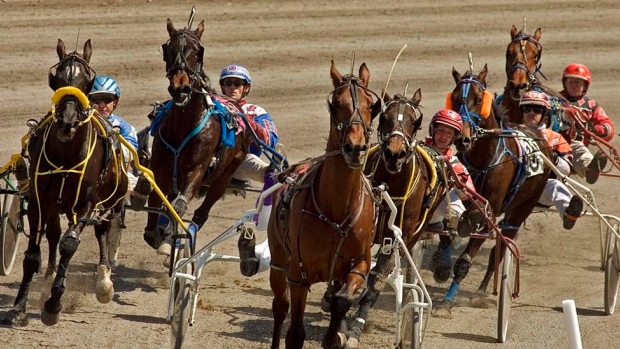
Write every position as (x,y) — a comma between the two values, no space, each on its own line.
(104,97)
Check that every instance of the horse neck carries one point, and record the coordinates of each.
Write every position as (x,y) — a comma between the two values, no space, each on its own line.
(78,148)
(483,150)
(339,188)
(190,115)
(512,105)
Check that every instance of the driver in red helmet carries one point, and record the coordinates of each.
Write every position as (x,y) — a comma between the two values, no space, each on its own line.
(576,79)
(445,127)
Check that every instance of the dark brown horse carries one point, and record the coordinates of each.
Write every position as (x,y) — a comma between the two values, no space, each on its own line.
(325,223)
(76,170)
(494,157)
(523,56)
(407,168)
(187,148)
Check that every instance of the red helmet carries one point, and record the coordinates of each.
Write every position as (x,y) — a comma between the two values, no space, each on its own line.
(449,118)
(578,71)
(535,98)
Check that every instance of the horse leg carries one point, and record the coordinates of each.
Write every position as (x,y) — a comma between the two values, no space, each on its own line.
(69,243)
(296,334)
(480,297)
(17,316)
(104,288)
(442,260)
(152,233)
(337,333)
(461,269)
(52,233)
(279,305)
(374,286)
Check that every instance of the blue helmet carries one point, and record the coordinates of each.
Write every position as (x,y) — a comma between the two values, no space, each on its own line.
(105,85)
(235,70)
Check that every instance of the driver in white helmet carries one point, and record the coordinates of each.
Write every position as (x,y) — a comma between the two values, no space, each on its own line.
(235,82)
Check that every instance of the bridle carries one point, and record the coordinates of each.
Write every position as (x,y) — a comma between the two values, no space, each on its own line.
(180,60)
(72,59)
(466,115)
(356,116)
(399,130)
(522,40)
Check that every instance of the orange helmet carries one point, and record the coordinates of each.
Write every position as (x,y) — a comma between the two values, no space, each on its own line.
(535,98)
(448,117)
(578,71)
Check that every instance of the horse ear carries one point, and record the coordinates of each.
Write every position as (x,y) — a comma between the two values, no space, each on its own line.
(417,97)
(513,32)
(60,49)
(364,74)
(483,75)
(200,29)
(537,34)
(170,27)
(335,75)
(88,51)
(456,75)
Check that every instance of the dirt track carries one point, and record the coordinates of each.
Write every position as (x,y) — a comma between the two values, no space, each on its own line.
(287,46)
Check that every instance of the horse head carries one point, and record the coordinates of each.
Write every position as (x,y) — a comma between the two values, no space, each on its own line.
(522,61)
(474,103)
(398,124)
(71,110)
(352,107)
(72,69)
(183,55)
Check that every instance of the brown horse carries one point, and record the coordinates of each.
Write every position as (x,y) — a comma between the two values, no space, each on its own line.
(187,148)
(407,169)
(523,56)
(325,223)
(77,170)
(494,157)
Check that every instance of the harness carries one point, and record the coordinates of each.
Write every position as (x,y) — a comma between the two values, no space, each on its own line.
(79,169)
(523,39)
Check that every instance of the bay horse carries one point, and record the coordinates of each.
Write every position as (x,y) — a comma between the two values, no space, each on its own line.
(495,157)
(408,170)
(523,55)
(77,170)
(324,226)
(189,137)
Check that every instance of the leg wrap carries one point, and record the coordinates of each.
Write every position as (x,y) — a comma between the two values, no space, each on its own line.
(69,243)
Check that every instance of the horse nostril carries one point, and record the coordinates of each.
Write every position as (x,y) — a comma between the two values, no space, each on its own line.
(348,148)
(466,141)
(186,90)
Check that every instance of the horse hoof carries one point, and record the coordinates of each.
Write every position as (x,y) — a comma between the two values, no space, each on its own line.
(442,273)
(166,262)
(354,337)
(152,238)
(49,319)
(326,302)
(481,301)
(15,319)
(105,298)
(443,310)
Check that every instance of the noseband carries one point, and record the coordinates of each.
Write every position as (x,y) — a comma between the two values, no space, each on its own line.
(400,131)
(523,39)
(356,116)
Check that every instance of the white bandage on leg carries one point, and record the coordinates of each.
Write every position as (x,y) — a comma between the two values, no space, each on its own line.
(264,256)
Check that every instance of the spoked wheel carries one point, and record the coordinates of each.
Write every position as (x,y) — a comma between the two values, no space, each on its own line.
(180,318)
(410,323)
(612,271)
(9,226)
(505,295)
